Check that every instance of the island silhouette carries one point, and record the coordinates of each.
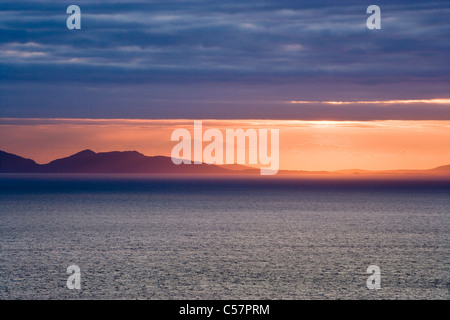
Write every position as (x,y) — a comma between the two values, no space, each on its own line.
(133,162)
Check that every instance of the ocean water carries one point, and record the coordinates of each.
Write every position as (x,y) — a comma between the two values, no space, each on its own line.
(223,238)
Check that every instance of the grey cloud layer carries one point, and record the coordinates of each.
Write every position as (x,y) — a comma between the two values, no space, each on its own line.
(235,43)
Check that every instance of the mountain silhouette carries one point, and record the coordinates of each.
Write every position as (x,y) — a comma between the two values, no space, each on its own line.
(12,163)
(441,169)
(88,161)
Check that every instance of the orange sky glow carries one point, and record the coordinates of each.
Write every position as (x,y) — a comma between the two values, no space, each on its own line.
(304,145)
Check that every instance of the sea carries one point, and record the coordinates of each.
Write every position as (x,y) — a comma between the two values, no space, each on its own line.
(163,237)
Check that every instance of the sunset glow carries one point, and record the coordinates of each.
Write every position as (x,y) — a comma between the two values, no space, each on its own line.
(304,145)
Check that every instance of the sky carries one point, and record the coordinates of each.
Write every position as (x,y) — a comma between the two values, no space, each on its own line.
(343,96)
(303,145)
(207,59)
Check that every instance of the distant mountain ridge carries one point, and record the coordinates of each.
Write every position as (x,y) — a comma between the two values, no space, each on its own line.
(132,162)
(11,163)
(88,161)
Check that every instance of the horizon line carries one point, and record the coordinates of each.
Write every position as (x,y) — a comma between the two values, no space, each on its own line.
(337,171)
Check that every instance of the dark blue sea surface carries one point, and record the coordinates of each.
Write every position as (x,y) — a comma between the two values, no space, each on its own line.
(150,237)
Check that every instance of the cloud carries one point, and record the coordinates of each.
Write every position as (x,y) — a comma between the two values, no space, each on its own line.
(206,39)
(395,102)
(271,45)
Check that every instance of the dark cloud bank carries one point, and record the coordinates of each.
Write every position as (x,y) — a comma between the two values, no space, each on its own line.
(223,59)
